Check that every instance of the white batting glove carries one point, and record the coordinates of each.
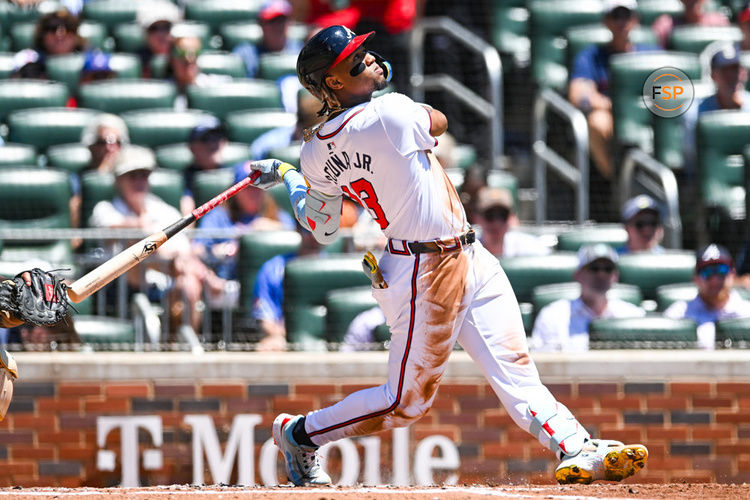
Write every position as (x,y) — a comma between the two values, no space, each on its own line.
(269,173)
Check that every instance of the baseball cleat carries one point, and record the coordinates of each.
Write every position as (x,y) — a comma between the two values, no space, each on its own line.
(302,462)
(602,460)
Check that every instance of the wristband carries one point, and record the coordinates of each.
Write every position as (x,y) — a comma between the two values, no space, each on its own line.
(284,168)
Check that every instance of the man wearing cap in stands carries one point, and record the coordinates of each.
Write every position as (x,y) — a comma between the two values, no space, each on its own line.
(743,21)
(641,216)
(156,19)
(207,142)
(563,325)
(716,300)
(495,215)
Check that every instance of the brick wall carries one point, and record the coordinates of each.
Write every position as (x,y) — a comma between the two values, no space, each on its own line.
(696,429)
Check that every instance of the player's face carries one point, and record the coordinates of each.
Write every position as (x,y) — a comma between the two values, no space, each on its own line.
(357,75)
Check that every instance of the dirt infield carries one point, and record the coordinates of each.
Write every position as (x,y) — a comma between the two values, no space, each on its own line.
(569,492)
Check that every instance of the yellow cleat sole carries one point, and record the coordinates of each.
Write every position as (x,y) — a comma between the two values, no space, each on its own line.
(624,462)
(573,474)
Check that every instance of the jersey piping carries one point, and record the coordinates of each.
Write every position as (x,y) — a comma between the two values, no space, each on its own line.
(328,136)
(404,360)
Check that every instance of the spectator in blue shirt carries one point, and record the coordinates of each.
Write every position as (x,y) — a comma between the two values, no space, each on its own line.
(251,209)
(268,295)
(589,81)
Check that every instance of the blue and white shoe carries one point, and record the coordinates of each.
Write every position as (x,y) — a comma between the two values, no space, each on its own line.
(302,462)
(602,459)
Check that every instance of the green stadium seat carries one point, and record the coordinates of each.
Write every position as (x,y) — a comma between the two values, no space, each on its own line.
(733,332)
(382,333)
(307,280)
(44,127)
(464,156)
(274,66)
(22,35)
(548,23)
(111,12)
(238,32)
(510,27)
(22,94)
(745,63)
(721,138)
(281,197)
(178,156)
(73,157)
(632,333)
(746,158)
(504,180)
(342,306)
(157,127)
(168,185)
(95,187)
(580,37)
(525,273)
(222,63)
(649,271)
(20,155)
(117,96)
(217,12)
(696,38)
(255,249)
(129,37)
(209,183)
(6,63)
(240,94)
(38,201)
(101,330)
(544,295)
(289,154)
(666,295)
(67,68)
(246,126)
(632,120)
(611,234)
(649,10)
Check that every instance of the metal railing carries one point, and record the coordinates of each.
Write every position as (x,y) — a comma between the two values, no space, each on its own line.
(490,110)
(577,174)
(659,181)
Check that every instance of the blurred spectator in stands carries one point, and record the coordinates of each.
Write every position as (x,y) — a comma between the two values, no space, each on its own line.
(251,209)
(268,295)
(743,20)
(563,325)
(96,67)
(729,77)
(497,219)
(641,216)
(694,14)
(182,68)
(360,336)
(56,34)
(274,18)
(307,118)
(44,338)
(207,142)
(134,206)
(589,83)
(104,136)
(714,275)
(156,19)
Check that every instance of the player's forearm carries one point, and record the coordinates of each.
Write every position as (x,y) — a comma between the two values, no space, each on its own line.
(297,188)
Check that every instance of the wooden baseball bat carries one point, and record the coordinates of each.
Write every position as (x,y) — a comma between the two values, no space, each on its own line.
(130,257)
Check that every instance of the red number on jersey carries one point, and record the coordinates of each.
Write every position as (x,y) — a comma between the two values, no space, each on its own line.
(364,194)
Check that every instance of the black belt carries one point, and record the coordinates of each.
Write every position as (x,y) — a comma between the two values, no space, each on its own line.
(456,243)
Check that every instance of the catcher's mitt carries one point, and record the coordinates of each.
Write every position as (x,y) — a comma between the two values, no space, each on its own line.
(45,302)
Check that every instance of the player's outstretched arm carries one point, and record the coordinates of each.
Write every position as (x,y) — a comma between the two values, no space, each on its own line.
(315,211)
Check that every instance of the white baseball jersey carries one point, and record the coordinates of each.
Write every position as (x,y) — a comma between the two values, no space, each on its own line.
(375,154)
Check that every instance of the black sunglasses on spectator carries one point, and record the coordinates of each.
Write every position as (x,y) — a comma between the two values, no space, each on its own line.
(497,213)
(607,268)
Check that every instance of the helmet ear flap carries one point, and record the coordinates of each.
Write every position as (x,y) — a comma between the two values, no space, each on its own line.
(385,65)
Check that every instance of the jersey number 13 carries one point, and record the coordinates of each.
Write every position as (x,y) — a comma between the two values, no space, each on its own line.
(363,193)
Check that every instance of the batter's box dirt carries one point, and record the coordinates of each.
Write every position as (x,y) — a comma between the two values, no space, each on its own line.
(568,492)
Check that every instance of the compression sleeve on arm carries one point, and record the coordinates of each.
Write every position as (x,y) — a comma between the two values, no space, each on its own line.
(317,212)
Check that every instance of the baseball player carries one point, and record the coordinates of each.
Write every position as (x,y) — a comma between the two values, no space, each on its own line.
(443,287)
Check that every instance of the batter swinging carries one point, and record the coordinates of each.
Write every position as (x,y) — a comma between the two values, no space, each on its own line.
(443,286)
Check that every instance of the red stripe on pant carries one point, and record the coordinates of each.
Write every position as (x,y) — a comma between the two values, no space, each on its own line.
(412,313)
